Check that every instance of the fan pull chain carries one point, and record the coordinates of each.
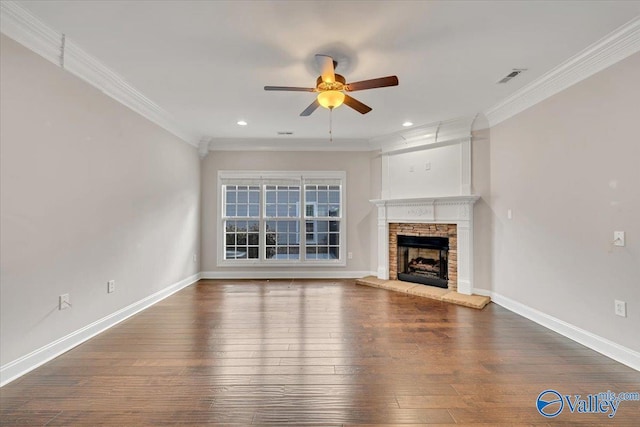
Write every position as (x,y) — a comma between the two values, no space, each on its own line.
(330,124)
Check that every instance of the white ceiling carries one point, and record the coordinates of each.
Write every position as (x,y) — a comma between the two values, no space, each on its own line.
(206,62)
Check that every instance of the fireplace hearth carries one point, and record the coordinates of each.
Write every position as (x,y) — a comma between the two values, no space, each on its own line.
(423,259)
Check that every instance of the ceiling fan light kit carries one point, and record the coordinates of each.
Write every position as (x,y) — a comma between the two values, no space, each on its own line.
(330,99)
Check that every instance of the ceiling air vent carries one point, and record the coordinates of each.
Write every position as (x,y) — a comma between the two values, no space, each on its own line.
(512,74)
(285,133)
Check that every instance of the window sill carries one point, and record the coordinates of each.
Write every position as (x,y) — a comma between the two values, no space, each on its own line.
(277,263)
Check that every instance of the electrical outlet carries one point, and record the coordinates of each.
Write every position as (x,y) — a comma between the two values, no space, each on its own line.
(350,255)
(427,166)
(63,302)
(111,286)
(509,214)
(195,257)
(621,308)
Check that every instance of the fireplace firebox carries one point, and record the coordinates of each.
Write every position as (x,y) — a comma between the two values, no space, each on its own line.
(423,259)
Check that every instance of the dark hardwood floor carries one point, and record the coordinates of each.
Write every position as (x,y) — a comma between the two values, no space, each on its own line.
(311,352)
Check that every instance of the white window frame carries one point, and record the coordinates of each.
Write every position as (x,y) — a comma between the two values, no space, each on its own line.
(302,176)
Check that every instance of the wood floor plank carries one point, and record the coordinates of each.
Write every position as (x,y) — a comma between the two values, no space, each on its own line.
(314,353)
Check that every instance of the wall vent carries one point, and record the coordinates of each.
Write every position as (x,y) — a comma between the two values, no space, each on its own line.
(285,133)
(512,74)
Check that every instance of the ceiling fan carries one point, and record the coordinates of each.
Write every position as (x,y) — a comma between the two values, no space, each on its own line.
(331,87)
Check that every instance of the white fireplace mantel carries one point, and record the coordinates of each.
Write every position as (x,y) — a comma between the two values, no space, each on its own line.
(430,210)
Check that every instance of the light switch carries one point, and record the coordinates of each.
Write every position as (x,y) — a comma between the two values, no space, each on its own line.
(618,238)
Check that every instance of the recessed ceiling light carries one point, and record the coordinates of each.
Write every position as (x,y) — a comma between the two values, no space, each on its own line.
(407,124)
(242,123)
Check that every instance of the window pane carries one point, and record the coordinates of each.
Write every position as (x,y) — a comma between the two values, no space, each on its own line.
(322,240)
(230,238)
(334,253)
(282,210)
(254,239)
(310,210)
(237,234)
(237,201)
(310,195)
(334,239)
(270,196)
(271,210)
(325,200)
(282,240)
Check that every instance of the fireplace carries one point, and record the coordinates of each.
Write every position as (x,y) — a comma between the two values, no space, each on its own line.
(423,260)
(448,217)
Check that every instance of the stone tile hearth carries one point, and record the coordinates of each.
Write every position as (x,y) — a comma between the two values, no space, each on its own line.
(433,292)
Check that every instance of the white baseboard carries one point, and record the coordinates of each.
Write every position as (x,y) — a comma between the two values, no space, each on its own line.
(31,361)
(284,274)
(617,352)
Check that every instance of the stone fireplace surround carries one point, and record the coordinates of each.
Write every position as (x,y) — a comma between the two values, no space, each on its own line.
(444,216)
(424,230)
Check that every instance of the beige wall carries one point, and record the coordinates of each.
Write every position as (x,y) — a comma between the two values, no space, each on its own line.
(357,165)
(90,192)
(482,215)
(569,168)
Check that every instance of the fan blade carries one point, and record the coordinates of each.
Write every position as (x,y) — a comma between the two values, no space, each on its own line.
(325,63)
(356,105)
(292,89)
(311,108)
(372,84)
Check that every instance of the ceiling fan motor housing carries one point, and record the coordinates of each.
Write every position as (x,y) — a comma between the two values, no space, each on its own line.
(338,84)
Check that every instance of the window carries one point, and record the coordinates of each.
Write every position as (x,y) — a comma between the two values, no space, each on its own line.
(263,221)
(322,208)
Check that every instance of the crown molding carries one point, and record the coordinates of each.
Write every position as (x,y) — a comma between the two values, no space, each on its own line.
(427,136)
(22,26)
(616,46)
